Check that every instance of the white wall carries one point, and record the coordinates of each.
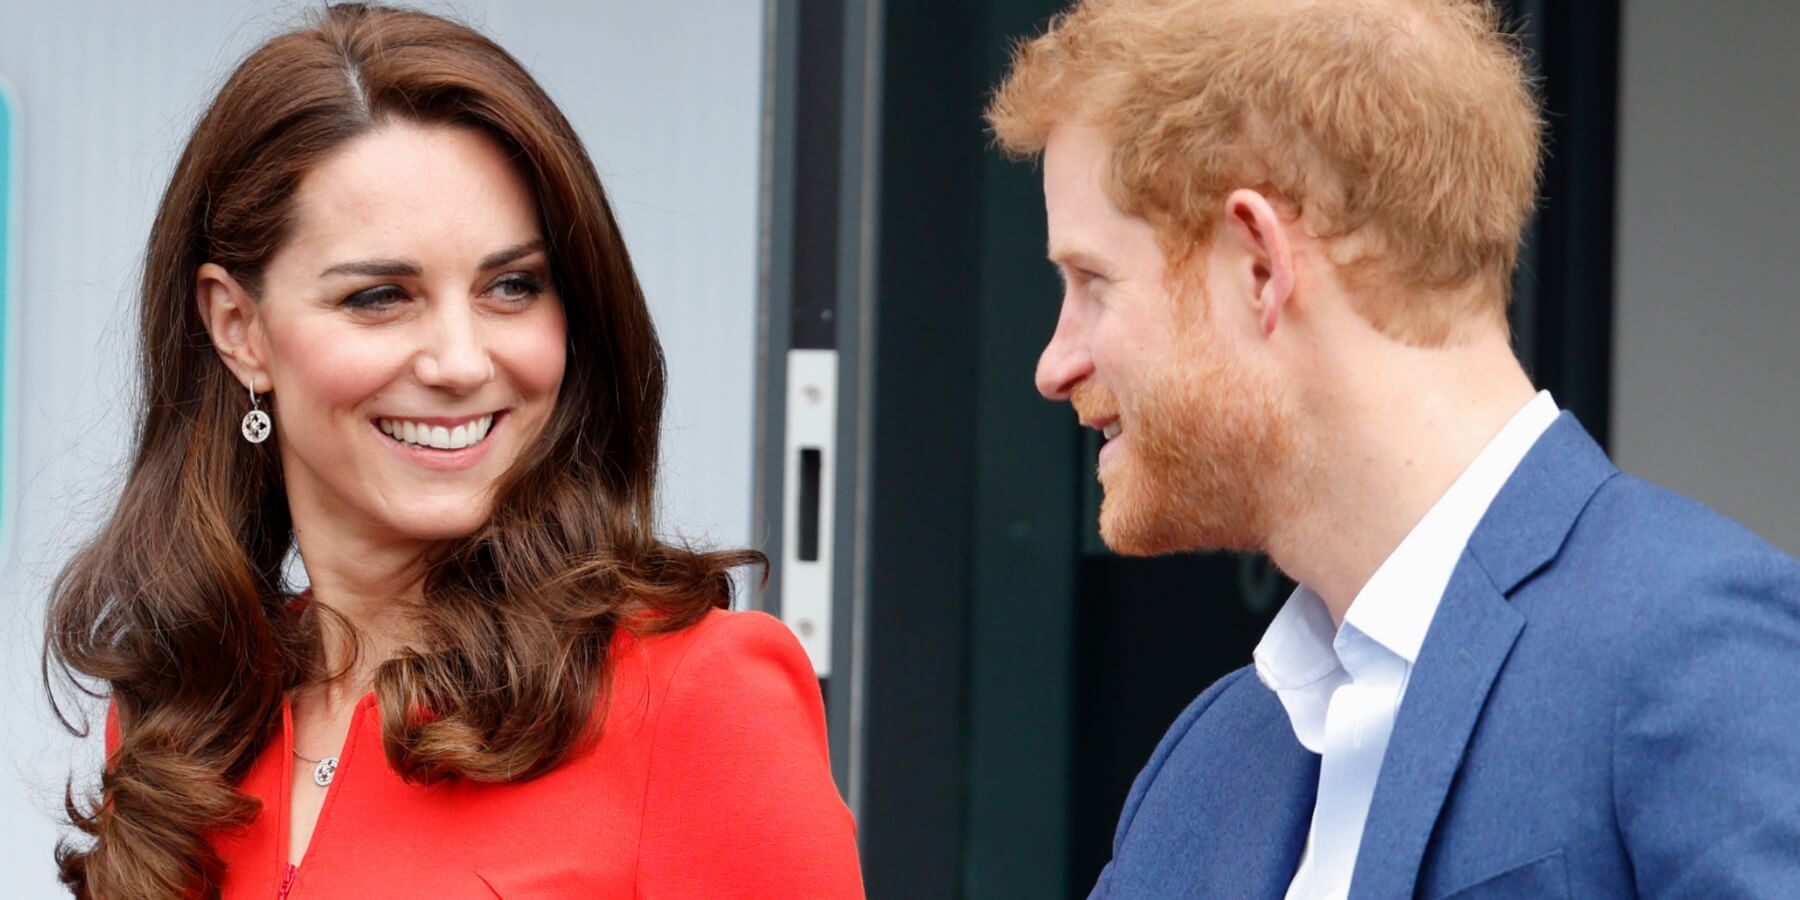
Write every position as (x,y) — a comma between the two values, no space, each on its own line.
(667,96)
(1706,382)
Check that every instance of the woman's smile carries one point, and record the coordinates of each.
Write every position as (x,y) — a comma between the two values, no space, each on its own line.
(440,442)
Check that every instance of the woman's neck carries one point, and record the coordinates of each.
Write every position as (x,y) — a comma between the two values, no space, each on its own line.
(372,595)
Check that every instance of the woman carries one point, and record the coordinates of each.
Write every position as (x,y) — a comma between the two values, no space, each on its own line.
(388,324)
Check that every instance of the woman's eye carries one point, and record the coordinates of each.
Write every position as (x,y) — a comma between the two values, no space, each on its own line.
(375,299)
(517,288)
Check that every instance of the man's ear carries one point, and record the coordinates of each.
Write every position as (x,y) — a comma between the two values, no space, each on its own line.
(1254,229)
(231,318)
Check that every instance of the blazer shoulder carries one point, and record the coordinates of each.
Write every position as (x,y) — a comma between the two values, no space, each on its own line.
(1648,574)
(1236,707)
(1630,509)
(1671,551)
(1229,697)
(1230,757)
(1699,625)
(1236,712)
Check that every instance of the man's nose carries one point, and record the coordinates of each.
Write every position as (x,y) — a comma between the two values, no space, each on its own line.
(1065,361)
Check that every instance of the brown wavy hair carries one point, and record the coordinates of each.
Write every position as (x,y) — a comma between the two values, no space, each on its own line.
(178,608)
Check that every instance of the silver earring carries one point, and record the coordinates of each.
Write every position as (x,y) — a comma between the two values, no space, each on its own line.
(256,422)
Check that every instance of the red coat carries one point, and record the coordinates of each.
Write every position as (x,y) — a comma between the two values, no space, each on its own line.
(710,780)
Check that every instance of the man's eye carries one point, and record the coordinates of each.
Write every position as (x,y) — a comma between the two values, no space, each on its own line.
(1083,276)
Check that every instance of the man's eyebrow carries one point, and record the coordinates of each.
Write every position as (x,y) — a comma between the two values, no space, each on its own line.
(1065,256)
(405,268)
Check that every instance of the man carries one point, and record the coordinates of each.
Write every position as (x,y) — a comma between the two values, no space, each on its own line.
(1286,229)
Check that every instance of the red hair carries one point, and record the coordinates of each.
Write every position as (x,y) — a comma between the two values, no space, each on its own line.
(1405,132)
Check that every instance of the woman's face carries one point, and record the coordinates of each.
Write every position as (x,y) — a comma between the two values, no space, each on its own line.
(410,333)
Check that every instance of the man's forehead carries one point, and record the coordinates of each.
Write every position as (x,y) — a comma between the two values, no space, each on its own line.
(1074,154)
(1081,218)
(1075,239)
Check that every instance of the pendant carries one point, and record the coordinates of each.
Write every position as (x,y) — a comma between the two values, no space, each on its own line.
(326,769)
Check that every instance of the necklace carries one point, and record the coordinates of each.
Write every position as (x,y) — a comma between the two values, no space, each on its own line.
(323,769)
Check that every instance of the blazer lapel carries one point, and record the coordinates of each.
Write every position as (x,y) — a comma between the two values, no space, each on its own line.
(1289,820)
(1465,649)
(1468,643)
(1269,814)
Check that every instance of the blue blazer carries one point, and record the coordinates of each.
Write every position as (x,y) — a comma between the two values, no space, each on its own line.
(1606,705)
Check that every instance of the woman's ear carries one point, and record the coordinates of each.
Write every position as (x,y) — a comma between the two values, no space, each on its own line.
(231,318)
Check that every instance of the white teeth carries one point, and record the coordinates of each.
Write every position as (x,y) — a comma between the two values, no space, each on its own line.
(437,436)
(1111,431)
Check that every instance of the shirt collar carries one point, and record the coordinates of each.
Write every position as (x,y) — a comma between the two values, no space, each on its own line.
(1297,658)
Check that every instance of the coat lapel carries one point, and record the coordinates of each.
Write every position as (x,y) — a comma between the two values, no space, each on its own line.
(1289,818)
(1269,811)
(1463,652)
(1466,647)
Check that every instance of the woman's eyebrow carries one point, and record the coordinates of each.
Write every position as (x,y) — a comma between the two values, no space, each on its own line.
(402,268)
(375,268)
(512,254)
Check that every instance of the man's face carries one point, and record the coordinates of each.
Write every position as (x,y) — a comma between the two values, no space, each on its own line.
(1194,431)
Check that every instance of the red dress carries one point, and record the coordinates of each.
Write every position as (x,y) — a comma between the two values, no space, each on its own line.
(710,780)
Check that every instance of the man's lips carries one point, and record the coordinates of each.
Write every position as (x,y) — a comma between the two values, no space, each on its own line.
(1108,426)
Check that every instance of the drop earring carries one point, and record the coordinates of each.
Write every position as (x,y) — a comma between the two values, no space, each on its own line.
(256,422)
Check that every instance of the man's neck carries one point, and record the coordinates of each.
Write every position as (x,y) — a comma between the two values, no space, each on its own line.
(1390,432)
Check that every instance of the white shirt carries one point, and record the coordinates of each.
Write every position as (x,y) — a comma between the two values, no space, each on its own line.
(1342,687)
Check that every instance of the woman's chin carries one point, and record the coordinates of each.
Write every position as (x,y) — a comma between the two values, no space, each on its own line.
(440,525)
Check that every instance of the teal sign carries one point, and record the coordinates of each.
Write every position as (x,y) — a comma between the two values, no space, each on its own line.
(9,295)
